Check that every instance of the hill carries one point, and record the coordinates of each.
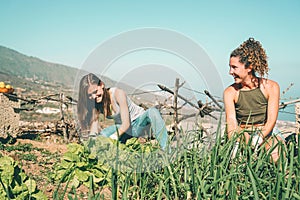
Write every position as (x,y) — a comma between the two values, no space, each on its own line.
(37,76)
(16,64)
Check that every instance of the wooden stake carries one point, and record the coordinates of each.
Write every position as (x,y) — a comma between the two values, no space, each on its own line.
(62,118)
(175,106)
(297,111)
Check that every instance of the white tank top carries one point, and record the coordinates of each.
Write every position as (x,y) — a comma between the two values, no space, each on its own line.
(134,110)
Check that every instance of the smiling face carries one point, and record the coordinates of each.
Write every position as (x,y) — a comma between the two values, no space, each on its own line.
(238,70)
(96,92)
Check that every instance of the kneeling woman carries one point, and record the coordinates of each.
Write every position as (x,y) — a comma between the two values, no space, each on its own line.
(130,119)
(252,102)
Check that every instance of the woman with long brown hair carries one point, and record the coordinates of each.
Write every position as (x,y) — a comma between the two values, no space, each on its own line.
(130,119)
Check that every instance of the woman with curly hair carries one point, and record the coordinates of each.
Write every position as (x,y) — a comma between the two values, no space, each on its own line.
(252,101)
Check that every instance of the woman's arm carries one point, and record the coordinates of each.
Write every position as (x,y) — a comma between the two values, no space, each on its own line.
(95,128)
(121,99)
(273,94)
(230,113)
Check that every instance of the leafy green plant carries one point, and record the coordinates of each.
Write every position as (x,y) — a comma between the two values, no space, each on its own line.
(78,165)
(19,147)
(15,184)
(102,161)
(28,157)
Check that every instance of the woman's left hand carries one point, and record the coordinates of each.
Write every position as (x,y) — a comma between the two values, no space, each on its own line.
(257,140)
(114,136)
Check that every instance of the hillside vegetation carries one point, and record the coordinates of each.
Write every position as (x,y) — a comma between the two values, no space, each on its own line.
(33,74)
(16,64)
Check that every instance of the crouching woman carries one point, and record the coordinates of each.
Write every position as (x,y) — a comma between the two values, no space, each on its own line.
(130,119)
(252,102)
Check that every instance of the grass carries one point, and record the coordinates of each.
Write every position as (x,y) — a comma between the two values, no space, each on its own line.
(193,173)
(212,175)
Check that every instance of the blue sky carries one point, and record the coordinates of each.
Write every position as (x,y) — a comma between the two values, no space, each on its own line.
(67,31)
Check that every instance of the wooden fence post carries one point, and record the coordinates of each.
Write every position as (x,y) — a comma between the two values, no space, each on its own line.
(62,118)
(176,106)
(297,111)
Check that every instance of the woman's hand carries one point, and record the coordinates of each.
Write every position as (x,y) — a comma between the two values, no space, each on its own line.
(257,140)
(95,127)
(114,136)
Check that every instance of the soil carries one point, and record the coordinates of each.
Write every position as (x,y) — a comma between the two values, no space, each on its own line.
(41,168)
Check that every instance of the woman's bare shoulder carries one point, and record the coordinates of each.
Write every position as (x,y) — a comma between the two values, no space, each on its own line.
(119,93)
(231,93)
(232,89)
(117,90)
(269,84)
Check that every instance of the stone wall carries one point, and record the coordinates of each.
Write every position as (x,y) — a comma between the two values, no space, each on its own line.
(9,115)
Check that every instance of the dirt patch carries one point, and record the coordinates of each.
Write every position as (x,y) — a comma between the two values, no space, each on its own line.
(48,145)
(38,158)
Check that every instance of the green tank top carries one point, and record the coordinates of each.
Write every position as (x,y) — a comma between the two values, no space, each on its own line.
(251,107)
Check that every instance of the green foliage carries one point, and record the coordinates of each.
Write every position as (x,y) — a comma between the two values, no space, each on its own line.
(211,175)
(22,151)
(78,165)
(28,157)
(19,147)
(216,176)
(17,64)
(142,171)
(15,184)
(96,161)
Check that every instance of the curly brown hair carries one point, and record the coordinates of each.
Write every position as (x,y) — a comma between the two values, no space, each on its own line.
(252,53)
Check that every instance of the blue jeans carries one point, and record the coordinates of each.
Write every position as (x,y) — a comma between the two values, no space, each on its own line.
(150,117)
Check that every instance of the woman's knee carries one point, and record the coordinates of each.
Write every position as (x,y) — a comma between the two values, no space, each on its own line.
(153,112)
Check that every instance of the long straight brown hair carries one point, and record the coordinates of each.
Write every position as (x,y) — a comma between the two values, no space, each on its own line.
(88,110)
